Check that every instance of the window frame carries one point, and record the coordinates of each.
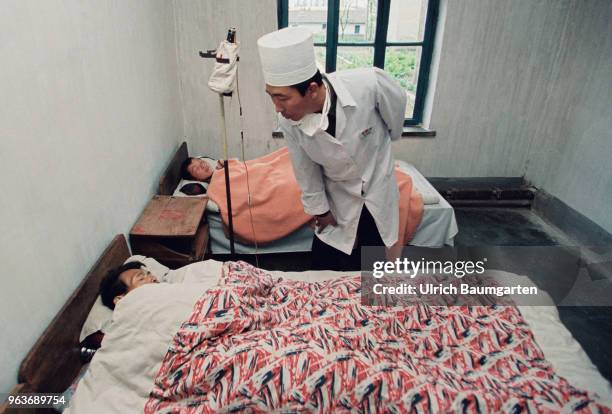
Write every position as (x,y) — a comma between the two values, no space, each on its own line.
(380,44)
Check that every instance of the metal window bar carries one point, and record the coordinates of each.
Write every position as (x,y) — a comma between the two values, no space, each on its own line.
(331,54)
(380,37)
(426,55)
(282,13)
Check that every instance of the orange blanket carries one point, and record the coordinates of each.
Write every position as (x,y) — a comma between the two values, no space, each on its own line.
(411,212)
(275,197)
(276,209)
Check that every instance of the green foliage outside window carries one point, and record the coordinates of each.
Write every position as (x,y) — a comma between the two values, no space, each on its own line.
(402,65)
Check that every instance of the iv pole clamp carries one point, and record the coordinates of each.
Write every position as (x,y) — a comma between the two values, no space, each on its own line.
(225,70)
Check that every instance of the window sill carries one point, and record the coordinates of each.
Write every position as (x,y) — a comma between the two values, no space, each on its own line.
(408,132)
(417,132)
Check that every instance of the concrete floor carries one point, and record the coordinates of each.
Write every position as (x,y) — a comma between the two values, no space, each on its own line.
(490,226)
(591,326)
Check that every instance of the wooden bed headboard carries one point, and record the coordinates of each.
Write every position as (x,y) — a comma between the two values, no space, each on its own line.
(172,175)
(54,360)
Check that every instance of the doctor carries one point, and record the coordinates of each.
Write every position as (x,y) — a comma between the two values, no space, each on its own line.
(338,129)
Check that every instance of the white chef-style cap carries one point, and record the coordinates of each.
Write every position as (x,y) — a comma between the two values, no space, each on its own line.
(287,56)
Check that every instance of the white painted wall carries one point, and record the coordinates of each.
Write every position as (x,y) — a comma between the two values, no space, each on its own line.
(571,154)
(523,89)
(494,65)
(89,116)
(201,25)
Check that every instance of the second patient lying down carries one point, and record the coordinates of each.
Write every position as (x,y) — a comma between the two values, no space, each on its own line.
(266,198)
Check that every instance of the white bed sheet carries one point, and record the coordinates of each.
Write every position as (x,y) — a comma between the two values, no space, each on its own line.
(438,226)
(121,373)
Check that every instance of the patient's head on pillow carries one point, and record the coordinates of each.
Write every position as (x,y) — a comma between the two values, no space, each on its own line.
(193,189)
(122,280)
(196,169)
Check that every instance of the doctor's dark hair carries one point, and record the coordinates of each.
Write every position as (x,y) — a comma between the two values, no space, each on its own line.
(185,175)
(112,286)
(302,87)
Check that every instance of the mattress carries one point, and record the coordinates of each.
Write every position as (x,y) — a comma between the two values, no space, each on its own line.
(438,226)
(298,241)
(121,373)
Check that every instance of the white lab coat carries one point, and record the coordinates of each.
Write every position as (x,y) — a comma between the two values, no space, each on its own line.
(355,168)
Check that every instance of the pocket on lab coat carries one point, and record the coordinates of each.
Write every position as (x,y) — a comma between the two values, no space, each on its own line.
(340,166)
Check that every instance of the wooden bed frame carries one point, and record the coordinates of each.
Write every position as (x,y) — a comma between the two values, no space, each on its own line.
(172,175)
(54,360)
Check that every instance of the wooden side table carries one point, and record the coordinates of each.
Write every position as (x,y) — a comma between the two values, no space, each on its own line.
(172,230)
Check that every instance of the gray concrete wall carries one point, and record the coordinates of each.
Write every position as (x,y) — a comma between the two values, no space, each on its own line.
(494,66)
(201,25)
(571,153)
(90,114)
(523,89)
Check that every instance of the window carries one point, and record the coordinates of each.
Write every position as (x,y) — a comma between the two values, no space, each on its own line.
(395,35)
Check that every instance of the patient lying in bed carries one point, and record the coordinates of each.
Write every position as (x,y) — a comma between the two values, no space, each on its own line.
(449,358)
(122,280)
(266,202)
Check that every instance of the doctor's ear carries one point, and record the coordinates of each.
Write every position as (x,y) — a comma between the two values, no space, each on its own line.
(313,88)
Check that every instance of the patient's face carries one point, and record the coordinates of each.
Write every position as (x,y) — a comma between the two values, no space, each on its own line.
(134,278)
(200,169)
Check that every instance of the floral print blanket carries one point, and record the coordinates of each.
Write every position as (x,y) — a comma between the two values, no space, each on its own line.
(260,344)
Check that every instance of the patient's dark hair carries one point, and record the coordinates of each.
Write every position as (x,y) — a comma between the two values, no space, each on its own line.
(193,189)
(185,175)
(112,286)
(302,87)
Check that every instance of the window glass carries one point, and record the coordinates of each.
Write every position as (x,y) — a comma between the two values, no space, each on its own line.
(406,20)
(350,57)
(357,21)
(320,56)
(403,64)
(311,14)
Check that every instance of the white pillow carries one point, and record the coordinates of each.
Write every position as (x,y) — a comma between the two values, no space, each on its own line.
(99,317)
(210,205)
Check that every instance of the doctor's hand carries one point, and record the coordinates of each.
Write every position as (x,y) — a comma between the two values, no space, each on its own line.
(324,220)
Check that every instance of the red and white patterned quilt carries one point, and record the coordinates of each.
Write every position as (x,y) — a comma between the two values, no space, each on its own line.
(260,344)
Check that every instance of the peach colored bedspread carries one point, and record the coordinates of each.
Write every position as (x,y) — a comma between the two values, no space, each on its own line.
(411,212)
(276,209)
